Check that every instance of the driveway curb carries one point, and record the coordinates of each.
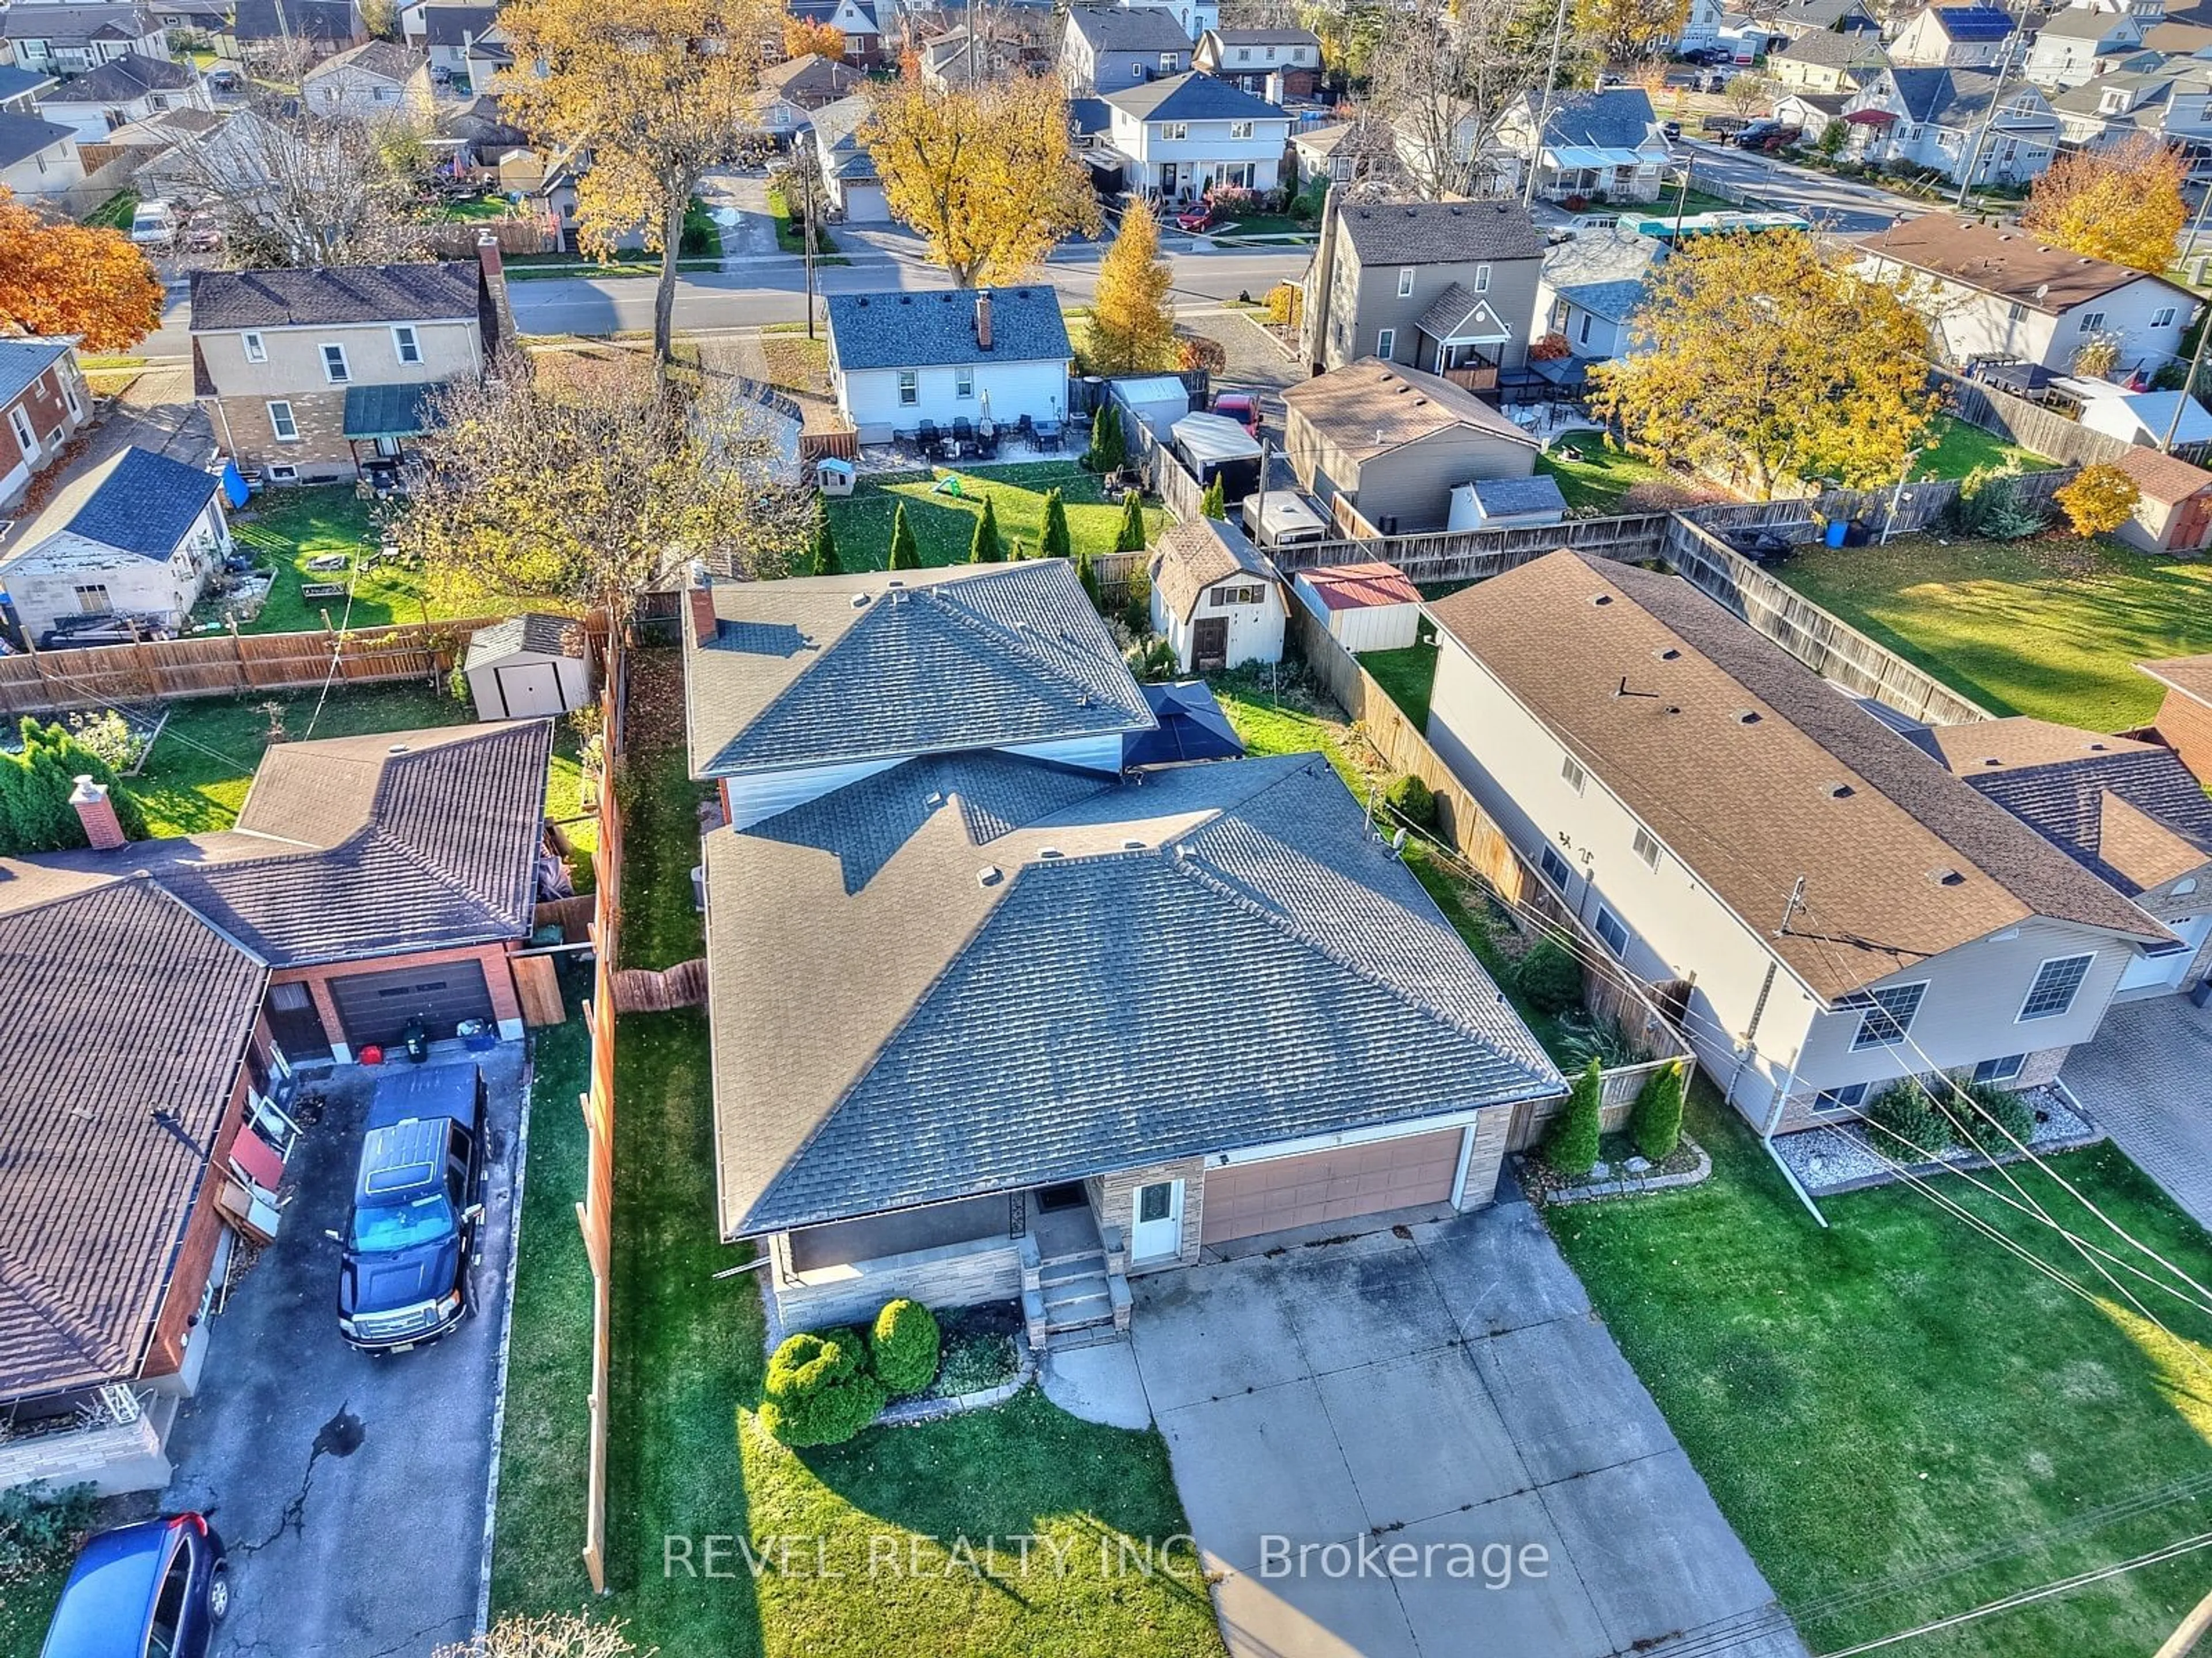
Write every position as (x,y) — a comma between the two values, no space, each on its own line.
(506,1334)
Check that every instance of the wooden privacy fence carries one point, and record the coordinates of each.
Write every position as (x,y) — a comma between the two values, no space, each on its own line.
(1477,555)
(230,665)
(1824,642)
(642,990)
(2038,430)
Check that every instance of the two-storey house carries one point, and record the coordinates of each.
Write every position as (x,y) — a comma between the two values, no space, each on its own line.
(1190,133)
(69,39)
(2078,44)
(1828,62)
(1385,275)
(790,92)
(1942,120)
(2171,100)
(308,374)
(43,401)
(122,90)
(858,20)
(1275,63)
(1994,294)
(374,81)
(1603,146)
(1108,49)
(1835,909)
(1955,37)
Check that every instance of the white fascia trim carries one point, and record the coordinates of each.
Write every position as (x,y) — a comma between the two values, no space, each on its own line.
(1393,1130)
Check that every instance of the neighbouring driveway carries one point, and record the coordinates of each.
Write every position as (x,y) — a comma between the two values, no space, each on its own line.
(1443,1384)
(2147,1081)
(739,205)
(350,1489)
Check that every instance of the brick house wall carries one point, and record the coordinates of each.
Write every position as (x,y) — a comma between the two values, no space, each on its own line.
(2185,725)
(2041,1068)
(321,454)
(1113,1199)
(45,402)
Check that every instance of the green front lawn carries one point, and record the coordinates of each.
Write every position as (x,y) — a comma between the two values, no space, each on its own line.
(791,235)
(1591,473)
(2049,627)
(687,1462)
(943,524)
(1894,1392)
(1962,449)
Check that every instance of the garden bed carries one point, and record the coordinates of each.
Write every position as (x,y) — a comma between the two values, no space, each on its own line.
(1622,1171)
(1842,1157)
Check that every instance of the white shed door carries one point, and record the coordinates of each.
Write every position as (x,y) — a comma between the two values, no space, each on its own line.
(529,689)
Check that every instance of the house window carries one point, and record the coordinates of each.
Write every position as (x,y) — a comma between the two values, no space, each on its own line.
(256,348)
(25,438)
(1554,867)
(283,475)
(1167,63)
(1572,774)
(1240,129)
(282,423)
(1136,71)
(1406,282)
(1271,54)
(1850,1098)
(1889,1018)
(2001,1070)
(2015,313)
(334,365)
(1647,848)
(2164,318)
(405,343)
(1243,54)
(2091,321)
(1914,135)
(1582,333)
(909,388)
(68,397)
(92,599)
(964,382)
(2056,983)
(1609,928)
(1174,131)
(1223,596)
(1386,342)
(1482,279)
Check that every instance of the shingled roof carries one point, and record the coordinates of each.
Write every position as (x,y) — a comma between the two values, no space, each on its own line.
(334,294)
(143,503)
(1439,233)
(1128,28)
(1192,96)
(896,329)
(886,663)
(1757,775)
(1013,974)
(23,361)
(1194,554)
(2008,262)
(1368,407)
(119,79)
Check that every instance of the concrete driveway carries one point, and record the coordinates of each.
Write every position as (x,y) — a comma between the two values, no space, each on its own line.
(349,1490)
(2147,1081)
(1438,1400)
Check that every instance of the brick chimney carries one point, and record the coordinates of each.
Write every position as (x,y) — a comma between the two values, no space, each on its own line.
(97,812)
(495,275)
(704,627)
(983,318)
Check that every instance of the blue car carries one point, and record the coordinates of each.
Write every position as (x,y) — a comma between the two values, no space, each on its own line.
(156,1590)
(403,1281)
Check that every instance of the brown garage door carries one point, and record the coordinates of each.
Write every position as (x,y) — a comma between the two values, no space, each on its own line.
(1320,1185)
(375,1007)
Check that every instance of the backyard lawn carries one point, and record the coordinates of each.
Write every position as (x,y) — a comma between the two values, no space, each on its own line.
(1896,1392)
(1961,449)
(943,524)
(688,1461)
(1591,473)
(2049,627)
(1407,676)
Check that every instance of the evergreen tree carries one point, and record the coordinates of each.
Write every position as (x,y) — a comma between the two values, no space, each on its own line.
(1130,537)
(985,548)
(1571,1147)
(906,554)
(1656,1122)
(1215,502)
(1054,542)
(822,559)
(1109,445)
(1089,578)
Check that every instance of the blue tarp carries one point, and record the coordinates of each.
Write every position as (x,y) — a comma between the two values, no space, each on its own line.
(234,485)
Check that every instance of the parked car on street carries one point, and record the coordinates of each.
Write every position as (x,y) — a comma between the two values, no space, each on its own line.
(1197,218)
(156,1589)
(1670,131)
(152,224)
(417,1204)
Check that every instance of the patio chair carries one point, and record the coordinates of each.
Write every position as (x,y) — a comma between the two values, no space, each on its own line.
(927,436)
(964,433)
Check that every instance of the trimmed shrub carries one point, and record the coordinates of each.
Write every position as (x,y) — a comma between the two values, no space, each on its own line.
(1052,540)
(1137,602)
(1656,1123)
(1129,537)
(819,1391)
(1985,1104)
(983,547)
(1572,1146)
(1413,801)
(1550,978)
(903,1340)
(1904,1125)
(1214,503)
(906,552)
(1109,444)
(823,558)
(41,1527)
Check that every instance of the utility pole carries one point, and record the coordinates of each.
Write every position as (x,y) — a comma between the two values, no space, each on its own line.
(1543,107)
(1682,202)
(2183,1640)
(2188,386)
(805,167)
(1996,103)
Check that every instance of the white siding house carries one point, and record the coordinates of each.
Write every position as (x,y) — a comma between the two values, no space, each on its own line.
(142,545)
(37,157)
(1187,134)
(897,359)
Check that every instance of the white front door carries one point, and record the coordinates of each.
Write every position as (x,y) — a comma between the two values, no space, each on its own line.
(1156,1221)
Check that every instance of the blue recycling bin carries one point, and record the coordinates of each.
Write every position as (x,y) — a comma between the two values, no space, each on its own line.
(1837,529)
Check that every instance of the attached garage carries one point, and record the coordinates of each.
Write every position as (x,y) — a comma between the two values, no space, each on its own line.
(376,1007)
(1274,1194)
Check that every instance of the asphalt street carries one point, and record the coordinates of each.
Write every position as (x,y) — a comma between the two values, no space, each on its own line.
(1832,204)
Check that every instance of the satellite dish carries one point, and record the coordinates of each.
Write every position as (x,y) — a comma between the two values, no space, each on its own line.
(1398,843)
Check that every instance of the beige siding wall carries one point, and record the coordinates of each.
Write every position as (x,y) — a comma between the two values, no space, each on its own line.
(1322,470)
(1414,481)
(1366,301)
(957,1275)
(450,350)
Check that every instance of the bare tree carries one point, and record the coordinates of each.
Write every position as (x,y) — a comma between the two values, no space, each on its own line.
(1445,101)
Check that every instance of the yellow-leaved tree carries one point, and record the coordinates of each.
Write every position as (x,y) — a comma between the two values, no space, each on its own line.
(1761,358)
(1623,31)
(988,175)
(2099,499)
(2122,203)
(1132,323)
(655,90)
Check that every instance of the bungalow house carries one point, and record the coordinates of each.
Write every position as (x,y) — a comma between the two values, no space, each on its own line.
(790,92)
(2127,812)
(1187,134)
(897,358)
(160,995)
(1215,598)
(1002,50)
(856,20)
(1019,960)
(2170,100)
(120,91)
(1995,293)
(2078,44)
(37,157)
(2184,722)
(1955,37)
(1107,49)
(150,531)
(1360,150)
(1796,18)
(1602,146)
(70,40)
(848,172)
(1842,910)
(43,401)
(1827,62)
(1592,287)
(1449,286)
(1275,64)
(305,374)
(374,79)
(1941,120)
(1381,447)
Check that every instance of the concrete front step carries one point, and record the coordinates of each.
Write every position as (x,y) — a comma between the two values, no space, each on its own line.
(1068,1268)
(1089,1252)
(1064,1312)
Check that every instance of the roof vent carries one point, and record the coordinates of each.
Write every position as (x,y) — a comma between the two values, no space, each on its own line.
(1050,852)
(1673,707)
(860,601)
(1133,845)
(1670,654)
(397,748)
(1840,791)
(1747,716)
(906,299)
(1601,598)
(894,583)
(989,876)
(1991,760)
(2096,748)
(1947,877)
(861,301)
(935,798)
